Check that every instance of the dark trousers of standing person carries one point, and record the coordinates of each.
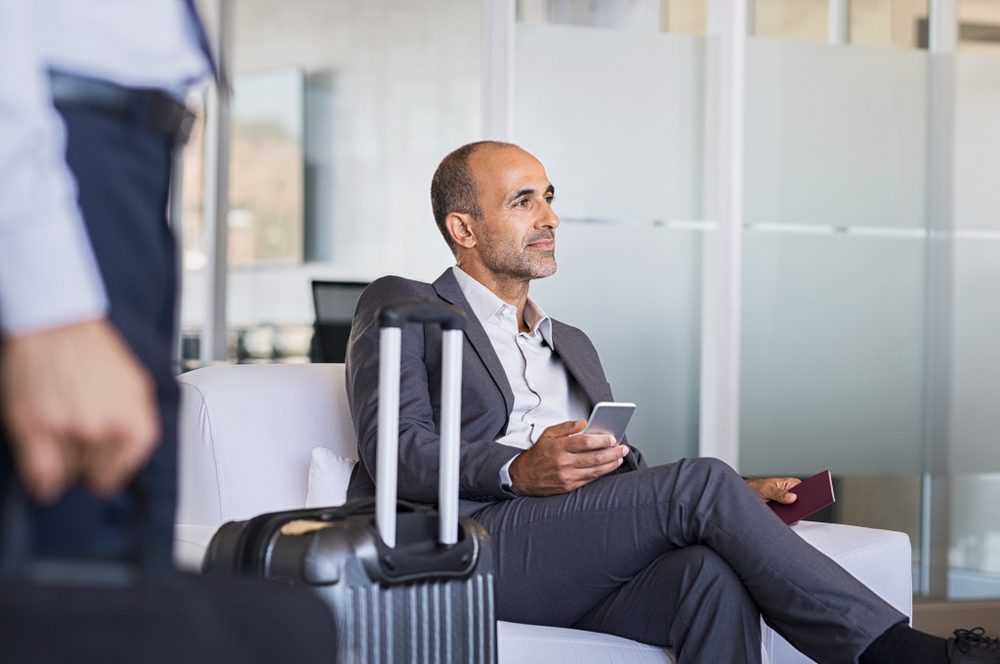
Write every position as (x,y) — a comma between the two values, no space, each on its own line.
(122,169)
(682,555)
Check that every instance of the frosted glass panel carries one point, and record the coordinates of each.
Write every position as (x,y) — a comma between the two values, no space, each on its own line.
(634,289)
(974,417)
(615,117)
(977,142)
(975,408)
(974,550)
(832,354)
(835,135)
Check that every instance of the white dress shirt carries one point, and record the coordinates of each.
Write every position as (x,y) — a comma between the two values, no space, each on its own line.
(48,275)
(544,392)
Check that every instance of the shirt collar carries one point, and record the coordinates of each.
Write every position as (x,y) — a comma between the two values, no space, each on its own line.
(485,305)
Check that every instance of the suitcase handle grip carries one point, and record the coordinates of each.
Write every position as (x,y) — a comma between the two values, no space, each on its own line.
(398,314)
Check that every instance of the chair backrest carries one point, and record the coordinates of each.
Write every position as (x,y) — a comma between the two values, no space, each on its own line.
(334,303)
(246,433)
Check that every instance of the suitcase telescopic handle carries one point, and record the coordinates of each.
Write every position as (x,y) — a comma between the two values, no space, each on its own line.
(401,313)
(392,317)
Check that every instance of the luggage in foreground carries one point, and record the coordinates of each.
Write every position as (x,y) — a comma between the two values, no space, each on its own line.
(406,583)
(103,612)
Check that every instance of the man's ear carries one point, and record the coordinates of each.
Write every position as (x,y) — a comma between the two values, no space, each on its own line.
(459,227)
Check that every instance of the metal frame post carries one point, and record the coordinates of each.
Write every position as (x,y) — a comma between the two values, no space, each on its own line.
(218,127)
(499,18)
(839,23)
(935,531)
(722,278)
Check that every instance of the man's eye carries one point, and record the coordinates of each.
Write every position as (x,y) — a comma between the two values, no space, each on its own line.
(521,203)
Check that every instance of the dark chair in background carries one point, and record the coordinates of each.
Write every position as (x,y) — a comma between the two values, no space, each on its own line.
(334,303)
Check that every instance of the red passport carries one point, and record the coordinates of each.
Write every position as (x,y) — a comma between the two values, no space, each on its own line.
(814,494)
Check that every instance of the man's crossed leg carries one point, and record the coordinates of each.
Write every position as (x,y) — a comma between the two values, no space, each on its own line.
(684,555)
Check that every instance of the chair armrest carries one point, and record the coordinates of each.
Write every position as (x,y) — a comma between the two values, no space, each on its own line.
(880,559)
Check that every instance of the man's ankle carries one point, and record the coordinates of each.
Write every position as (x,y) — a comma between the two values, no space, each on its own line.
(901,643)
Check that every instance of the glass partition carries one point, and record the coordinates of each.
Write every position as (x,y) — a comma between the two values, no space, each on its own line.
(834,260)
(832,354)
(804,20)
(979,25)
(341,111)
(869,340)
(266,168)
(616,117)
(634,290)
(836,136)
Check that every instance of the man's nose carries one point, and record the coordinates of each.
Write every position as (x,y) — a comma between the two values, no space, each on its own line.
(550,219)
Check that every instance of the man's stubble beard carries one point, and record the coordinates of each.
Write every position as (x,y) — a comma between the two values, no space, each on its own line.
(520,263)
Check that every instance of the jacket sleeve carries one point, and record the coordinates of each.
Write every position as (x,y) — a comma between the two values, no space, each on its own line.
(419,440)
(48,274)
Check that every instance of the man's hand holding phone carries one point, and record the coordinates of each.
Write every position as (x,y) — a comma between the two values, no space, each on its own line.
(570,455)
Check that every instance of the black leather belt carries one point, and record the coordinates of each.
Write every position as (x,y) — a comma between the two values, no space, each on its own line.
(150,109)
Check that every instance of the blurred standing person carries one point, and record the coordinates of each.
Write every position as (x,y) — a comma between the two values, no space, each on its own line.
(91,110)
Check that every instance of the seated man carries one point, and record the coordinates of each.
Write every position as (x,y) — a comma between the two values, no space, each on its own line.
(685,555)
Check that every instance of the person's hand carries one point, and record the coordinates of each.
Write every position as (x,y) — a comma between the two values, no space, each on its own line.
(563,459)
(775,488)
(78,407)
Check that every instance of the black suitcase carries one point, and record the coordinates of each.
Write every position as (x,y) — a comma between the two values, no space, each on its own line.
(406,583)
(104,611)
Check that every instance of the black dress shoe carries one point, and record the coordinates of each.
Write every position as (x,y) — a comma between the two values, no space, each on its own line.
(972,646)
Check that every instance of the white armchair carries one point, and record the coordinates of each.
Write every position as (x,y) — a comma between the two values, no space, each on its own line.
(246,438)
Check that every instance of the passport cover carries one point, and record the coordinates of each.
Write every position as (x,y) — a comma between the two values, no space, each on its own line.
(814,494)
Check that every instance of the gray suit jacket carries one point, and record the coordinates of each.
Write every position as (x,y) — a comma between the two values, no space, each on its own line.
(487,398)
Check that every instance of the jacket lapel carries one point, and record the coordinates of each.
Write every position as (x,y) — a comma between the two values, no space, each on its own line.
(580,365)
(448,290)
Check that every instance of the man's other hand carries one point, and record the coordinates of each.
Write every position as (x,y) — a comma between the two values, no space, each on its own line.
(564,459)
(78,407)
(775,488)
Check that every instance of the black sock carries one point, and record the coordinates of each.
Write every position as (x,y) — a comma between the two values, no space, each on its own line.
(901,643)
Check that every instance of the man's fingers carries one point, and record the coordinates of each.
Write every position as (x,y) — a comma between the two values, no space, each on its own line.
(83,391)
(786,484)
(592,473)
(567,428)
(778,490)
(787,497)
(109,464)
(775,488)
(44,467)
(586,442)
(600,457)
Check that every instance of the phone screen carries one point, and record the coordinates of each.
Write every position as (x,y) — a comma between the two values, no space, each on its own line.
(610,417)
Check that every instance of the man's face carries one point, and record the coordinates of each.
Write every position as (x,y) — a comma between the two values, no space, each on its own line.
(516,236)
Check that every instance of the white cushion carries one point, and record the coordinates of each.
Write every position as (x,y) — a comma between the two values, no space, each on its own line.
(524,644)
(329,474)
(246,436)
(190,544)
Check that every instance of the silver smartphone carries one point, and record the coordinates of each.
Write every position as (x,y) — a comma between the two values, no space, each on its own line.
(610,417)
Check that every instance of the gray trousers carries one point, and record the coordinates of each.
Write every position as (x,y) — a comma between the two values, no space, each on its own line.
(683,555)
